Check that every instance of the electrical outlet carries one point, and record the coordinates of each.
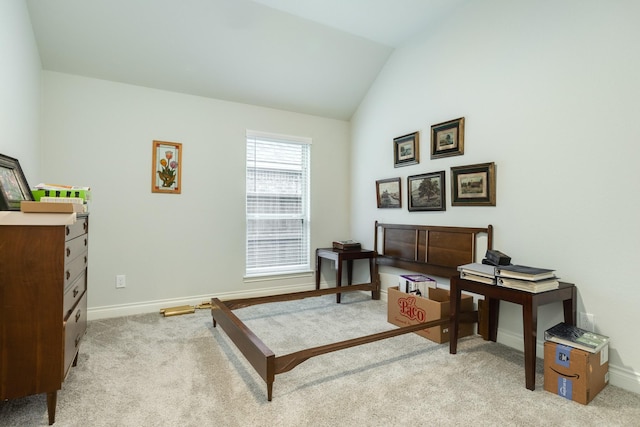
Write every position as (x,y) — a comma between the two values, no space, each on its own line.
(588,321)
(121,281)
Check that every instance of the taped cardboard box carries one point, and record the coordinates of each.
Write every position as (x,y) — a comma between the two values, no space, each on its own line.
(573,373)
(408,309)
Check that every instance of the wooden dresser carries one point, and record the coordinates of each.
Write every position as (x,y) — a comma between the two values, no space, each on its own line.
(43,301)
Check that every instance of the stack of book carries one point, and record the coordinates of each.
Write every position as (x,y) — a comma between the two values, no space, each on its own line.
(530,279)
(483,273)
(346,245)
(575,337)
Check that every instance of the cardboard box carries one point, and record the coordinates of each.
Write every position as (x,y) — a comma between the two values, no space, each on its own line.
(575,374)
(410,283)
(407,309)
(46,207)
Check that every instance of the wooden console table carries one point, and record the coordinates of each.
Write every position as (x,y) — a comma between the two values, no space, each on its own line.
(493,294)
(338,256)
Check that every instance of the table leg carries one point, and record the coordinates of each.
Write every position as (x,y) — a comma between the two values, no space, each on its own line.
(530,332)
(454,309)
(338,279)
(318,269)
(494,312)
(375,279)
(569,307)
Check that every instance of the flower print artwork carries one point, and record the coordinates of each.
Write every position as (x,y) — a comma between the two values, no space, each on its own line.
(166,167)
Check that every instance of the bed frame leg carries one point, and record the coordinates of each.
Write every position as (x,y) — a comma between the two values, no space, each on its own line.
(269,391)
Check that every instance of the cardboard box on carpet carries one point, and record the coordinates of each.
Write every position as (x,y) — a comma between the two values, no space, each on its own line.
(575,374)
(407,309)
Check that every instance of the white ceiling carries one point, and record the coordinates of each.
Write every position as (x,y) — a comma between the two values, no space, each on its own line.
(311,56)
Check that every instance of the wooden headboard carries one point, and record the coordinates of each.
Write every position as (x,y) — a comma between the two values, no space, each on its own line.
(428,249)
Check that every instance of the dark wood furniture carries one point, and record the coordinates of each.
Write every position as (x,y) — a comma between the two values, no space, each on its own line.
(530,302)
(433,250)
(43,305)
(339,256)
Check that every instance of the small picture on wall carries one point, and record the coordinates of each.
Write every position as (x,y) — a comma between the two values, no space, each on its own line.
(473,185)
(388,193)
(406,150)
(166,169)
(427,192)
(447,139)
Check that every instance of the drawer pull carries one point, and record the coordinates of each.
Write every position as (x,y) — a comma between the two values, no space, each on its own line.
(68,274)
(85,225)
(85,241)
(68,252)
(78,340)
(67,230)
(76,291)
(78,314)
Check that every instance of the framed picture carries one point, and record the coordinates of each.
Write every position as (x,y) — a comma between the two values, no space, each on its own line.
(447,139)
(406,150)
(166,167)
(473,185)
(388,193)
(13,184)
(427,192)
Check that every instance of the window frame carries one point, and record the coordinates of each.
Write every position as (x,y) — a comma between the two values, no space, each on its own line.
(251,270)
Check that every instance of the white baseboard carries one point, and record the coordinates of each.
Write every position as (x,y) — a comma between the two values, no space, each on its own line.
(105,312)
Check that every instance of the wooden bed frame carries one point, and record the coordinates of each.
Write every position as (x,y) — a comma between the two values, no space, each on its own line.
(434,250)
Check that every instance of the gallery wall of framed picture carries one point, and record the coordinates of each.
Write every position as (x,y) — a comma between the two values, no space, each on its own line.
(471,185)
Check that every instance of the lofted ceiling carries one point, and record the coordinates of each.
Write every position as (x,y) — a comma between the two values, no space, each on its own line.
(315,57)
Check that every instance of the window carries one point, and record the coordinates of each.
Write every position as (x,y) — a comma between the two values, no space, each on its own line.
(277,204)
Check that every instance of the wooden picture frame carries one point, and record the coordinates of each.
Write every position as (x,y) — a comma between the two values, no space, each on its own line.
(447,139)
(427,192)
(473,185)
(389,193)
(406,150)
(166,168)
(14,188)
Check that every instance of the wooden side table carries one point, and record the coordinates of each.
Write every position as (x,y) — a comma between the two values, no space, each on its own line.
(338,256)
(493,294)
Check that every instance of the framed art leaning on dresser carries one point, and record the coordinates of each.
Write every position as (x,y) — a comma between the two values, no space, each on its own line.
(13,185)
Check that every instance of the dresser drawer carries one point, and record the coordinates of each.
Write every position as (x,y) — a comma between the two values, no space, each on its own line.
(73,294)
(80,227)
(75,247)
(74,268)
(74,329)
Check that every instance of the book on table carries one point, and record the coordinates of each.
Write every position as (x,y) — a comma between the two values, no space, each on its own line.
(477,272)
(534,286)
(524,272)
(347,245)
(573,336)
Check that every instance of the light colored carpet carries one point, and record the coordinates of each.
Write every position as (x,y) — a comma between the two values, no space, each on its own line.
(148,370)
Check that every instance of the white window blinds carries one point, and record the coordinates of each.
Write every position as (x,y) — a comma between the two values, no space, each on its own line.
(277,203)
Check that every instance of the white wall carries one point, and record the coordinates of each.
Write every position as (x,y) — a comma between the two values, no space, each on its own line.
(19,87)
(176,249)
(549,90)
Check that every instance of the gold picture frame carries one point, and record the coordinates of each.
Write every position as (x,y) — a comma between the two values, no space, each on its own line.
(473,185)
(166,169)
(447,139)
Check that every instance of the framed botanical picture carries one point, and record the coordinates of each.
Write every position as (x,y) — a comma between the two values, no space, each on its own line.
(427,192)
(447,139)
(166,169)
(13,184)
(388,193)
(473,185)
(406,149)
